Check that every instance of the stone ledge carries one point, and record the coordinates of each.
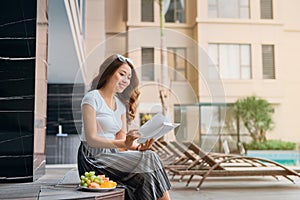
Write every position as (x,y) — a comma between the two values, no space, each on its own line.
(72,192)
(67,188)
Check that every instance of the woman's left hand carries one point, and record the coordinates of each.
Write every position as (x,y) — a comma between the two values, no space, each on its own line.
(145,146)
(131,136)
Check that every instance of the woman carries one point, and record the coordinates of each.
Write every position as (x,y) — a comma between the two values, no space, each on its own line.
(106,110)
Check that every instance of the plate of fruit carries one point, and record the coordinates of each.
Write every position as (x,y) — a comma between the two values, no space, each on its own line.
(91,182)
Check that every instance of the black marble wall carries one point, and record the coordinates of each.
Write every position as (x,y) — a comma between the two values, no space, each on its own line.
(22,157)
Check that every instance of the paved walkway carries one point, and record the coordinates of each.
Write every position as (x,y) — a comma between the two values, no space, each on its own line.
(263,188)
(58,183)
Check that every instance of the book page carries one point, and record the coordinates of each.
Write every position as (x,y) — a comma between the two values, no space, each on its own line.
(156,127)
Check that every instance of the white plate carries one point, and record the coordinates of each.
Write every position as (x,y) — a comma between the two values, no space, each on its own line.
(97,189)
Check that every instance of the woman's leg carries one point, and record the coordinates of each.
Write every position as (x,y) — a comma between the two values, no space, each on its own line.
(165,197)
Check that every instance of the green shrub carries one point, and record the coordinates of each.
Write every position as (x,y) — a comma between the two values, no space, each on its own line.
(270,145)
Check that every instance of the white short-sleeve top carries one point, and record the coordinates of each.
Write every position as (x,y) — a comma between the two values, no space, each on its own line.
(109,121)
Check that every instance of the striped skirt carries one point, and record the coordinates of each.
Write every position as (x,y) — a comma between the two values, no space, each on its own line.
(141,173)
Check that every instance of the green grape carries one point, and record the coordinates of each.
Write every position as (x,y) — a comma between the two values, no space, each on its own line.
(96,180)
(92,173)
(93,177)
(85,185)
(89,177)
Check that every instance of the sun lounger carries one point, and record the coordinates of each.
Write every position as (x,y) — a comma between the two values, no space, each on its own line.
(218,165)
(171,156)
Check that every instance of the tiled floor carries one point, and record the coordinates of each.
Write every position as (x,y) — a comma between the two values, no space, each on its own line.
(58,183)
(246,188)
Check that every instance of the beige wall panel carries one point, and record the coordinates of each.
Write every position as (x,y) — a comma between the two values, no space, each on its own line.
(181,93)
(239,33)
(94,9)
(290,10)
(94,25)
(288,122)
(115,15)
(134,11)
(291,69)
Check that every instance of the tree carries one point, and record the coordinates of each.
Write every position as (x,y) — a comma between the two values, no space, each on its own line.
(256,114)
(163,93)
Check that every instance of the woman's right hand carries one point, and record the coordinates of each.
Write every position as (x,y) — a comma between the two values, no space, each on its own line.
(131,136)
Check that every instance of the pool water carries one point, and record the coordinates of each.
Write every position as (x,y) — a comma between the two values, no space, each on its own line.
(288,162)
(288,158)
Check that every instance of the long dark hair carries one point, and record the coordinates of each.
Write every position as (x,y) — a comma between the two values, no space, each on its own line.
(130,95)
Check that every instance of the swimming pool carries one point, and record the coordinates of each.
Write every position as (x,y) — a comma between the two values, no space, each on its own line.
(288,158)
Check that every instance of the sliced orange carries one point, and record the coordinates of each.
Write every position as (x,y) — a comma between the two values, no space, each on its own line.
(108,184)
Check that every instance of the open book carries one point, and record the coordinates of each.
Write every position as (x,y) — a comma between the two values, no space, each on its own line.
(156,127)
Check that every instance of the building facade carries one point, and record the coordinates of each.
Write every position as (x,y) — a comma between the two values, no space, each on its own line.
(217,52)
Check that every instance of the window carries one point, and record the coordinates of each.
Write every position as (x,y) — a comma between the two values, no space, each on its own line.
(233,61)
(147,11)
(268,61)
(266,9)
(174,11)
(178,64)
(147,64)
(229,9)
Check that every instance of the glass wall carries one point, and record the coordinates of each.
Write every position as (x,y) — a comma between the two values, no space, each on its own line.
(213,127)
